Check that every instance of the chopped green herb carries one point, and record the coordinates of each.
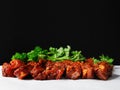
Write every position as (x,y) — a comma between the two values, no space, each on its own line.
(103,58)
(20,56)
(106,58)
(56,54)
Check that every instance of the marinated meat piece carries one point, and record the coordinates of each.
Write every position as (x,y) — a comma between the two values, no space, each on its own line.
(73,70)
(90,62)
(7,70)
(87,70)
(36,72)
(16,63)
(60,69)
(67,62)
(49,65)
(42,62)
(56,71)
(22,72)
(47,69)
(31,64)
(103,70)
(40,76)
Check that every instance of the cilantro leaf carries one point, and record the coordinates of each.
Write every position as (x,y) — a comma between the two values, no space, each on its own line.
(106,58)
(33,54)
(77,56)
(20,56)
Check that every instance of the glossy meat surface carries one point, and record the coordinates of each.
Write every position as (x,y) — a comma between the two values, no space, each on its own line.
(47,70)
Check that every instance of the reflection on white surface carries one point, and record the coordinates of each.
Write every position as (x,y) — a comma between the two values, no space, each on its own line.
(113,83)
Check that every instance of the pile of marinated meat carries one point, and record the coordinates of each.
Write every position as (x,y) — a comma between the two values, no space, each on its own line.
(67,69)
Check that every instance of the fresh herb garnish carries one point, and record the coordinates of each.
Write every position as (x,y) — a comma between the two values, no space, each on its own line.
(54,54)
(57,54)
(20,56)
(103,58)
(106,59)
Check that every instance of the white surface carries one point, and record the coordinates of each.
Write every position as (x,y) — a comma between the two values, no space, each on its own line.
(113,83)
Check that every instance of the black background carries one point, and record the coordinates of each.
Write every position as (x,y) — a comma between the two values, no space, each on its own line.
(92,27)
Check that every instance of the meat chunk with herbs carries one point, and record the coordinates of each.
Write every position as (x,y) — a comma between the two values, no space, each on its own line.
(73,70)
(56,71)
(22,72)
(16,63)
(36,72)
(103,70)
(87,71)
(9,68)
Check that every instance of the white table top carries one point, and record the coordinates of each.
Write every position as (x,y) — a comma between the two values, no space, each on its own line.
(7,83)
